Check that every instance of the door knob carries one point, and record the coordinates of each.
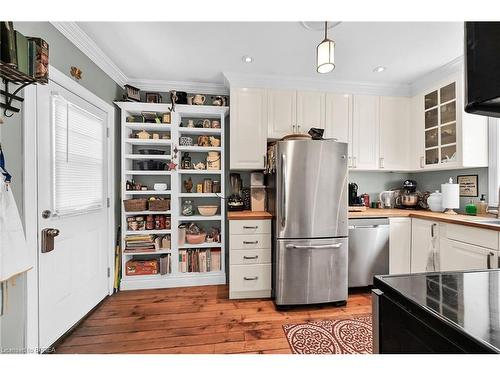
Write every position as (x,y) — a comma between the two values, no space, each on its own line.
(48,235)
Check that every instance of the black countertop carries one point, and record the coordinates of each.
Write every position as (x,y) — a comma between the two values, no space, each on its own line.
(468,301)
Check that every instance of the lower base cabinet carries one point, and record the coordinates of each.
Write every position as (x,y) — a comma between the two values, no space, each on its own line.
(249,259)
(399,245)
(460,256)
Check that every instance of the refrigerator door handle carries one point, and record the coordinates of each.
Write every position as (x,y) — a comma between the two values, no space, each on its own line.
(329,246)
(283,190)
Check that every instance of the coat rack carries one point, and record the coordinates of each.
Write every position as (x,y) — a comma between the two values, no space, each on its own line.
(10,74)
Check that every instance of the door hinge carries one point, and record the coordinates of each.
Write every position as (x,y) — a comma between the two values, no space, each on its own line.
(108,202)
(109,272)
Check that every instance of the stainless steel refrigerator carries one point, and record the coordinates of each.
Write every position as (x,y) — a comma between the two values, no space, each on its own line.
(308,199)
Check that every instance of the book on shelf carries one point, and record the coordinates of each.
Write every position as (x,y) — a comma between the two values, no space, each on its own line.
(200,260)
(22,53)
(165,264)
(8,53)
(136,243)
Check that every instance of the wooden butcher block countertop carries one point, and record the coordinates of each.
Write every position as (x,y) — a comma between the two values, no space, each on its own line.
(249,215)
(429,215)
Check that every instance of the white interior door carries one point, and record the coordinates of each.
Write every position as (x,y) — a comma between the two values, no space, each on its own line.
(72,186)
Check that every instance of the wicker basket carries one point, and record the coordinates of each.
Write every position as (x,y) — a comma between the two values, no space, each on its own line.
(159,205)
(132,205)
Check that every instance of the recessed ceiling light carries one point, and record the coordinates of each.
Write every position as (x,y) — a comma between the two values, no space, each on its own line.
(247,59)
(379,69)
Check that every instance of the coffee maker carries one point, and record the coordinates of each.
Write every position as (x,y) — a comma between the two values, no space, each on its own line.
(354,200)
(235,200)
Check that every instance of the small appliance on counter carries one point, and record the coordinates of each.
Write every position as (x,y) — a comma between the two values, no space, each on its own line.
(235,200)
(257,191)
(355,202)
(386,198)
(408,196)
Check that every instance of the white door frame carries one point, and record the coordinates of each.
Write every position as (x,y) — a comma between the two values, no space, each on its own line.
(30,128)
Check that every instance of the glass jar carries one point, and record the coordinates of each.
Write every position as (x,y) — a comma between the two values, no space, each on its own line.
(186,161)
(187,208)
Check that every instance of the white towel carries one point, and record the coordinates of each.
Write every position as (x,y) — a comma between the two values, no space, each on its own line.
(14,256)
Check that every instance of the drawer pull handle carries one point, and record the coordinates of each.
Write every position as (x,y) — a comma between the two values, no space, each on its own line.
(250,278)
(247,227)
(246,257)
(250,242)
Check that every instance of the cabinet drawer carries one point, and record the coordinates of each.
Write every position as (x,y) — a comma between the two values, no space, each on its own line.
(249,241)
(251,256)
(475,236)
(245,278)
(249,226)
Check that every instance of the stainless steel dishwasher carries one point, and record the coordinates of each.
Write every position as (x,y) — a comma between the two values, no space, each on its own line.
(368,250)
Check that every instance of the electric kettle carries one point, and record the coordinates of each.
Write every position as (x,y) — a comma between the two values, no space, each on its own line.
(387,199)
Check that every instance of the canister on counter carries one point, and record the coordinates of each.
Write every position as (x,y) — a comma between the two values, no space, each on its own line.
(366,199)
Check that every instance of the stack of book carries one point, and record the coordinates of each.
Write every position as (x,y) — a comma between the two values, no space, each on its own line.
(141,267)
(139,243)
(165,264)
(200,260)
(143,243)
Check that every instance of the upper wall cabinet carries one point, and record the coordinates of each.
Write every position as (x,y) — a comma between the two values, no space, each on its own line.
(248,131)
(394,133)
(338,117)
(450,138)
(365,132)
(310,110)
(281,113)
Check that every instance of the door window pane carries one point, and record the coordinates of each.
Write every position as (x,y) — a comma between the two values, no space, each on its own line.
(448,134)
(431,118)
(431,100)
(431,138)
(432,156)
(447,93)
(78,152)
(448,154)
(448,113)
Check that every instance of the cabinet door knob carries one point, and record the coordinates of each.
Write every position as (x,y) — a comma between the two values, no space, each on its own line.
(381,161)
(422,165)
(488,259)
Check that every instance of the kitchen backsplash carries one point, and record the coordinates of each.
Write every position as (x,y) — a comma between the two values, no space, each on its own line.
(375,182)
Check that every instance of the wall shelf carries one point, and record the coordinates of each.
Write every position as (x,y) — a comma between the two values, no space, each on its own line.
(175,183)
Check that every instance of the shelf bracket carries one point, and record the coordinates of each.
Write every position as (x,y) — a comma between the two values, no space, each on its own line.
(9,97)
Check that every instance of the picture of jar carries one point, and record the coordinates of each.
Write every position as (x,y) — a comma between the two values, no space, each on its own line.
(187,208)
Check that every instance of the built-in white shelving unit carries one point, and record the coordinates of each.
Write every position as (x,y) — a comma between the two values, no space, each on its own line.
(175,187)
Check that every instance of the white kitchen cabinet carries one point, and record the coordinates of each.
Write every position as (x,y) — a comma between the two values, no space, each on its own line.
(460,256)
(248,128)
(424,245)
(365,132)
(281,113)
(394,133)
(399,245)
(310,110)
(338,116)
(449,138)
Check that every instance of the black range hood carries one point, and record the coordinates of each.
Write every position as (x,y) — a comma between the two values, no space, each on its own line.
(482,68)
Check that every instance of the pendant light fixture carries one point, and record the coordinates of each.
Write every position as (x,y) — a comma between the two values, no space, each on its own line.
(325,54)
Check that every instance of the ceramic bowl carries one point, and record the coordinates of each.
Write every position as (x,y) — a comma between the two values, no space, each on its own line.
(435,202)
(207,210)
(196,239)
(160,187)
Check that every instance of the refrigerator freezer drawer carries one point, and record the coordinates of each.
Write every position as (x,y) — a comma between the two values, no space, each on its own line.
(250,256)
(249,226)
(249,241)
(250,281)
(311,271)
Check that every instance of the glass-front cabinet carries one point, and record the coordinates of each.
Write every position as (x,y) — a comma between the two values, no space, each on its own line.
(440,119)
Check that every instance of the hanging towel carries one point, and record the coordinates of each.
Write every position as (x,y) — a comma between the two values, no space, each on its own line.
(14,256)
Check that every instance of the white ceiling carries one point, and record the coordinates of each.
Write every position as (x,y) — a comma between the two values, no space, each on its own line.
(201,52)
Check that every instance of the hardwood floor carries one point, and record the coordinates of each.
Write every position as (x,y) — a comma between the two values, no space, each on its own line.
(194,320)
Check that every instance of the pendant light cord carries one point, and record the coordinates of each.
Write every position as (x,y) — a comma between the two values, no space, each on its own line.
(326,29)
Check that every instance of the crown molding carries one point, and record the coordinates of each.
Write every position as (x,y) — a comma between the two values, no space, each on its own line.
(84,43)
(191,87)
(429,80)
(314,84)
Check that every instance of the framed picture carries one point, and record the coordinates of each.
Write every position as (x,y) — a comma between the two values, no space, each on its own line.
(468,185)
(153,97)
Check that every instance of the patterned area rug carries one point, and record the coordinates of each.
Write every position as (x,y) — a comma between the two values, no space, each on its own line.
(342,336)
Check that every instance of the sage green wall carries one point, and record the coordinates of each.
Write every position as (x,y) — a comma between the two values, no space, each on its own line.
(62,54)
